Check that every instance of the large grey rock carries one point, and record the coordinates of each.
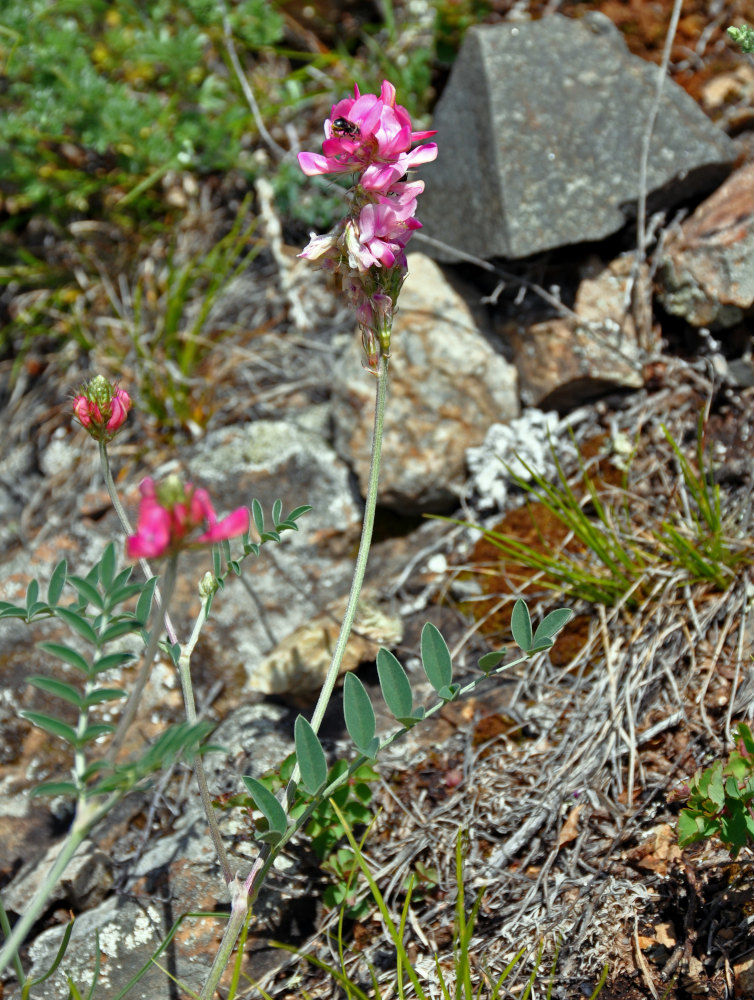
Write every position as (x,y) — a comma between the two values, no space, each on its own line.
(447,385)
(129,933)
(540,130)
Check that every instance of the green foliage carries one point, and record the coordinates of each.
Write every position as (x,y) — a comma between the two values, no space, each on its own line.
(620,559)
(697,541)
(96,616)
(97,94)
(721,800)
(452,19)
(743,36)
(322,795)
(322,827)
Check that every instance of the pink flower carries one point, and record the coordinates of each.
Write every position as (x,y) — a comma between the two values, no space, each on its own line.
(370,135)
(101,407)
(383,231)
(170,514)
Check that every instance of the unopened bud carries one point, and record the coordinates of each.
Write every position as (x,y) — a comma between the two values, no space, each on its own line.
(101,407)
(208,585)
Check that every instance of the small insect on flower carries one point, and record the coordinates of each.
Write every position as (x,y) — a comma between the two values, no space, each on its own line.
(342,127)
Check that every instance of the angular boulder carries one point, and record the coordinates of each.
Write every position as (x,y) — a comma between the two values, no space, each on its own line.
(540,130)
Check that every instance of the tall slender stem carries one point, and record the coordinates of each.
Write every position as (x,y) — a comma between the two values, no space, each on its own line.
(184,672)
(244,892)
(363,554)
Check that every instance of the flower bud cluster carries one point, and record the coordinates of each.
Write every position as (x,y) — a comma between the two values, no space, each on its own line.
(101,407)
(371,137)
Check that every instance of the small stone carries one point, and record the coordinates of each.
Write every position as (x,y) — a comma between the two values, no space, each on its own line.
(706,273)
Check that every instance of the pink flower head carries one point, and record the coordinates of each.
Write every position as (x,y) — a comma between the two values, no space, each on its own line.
(171,513)
(101,407)
(370,135)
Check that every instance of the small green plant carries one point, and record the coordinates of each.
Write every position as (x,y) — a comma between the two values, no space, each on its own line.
(96,98)
(324,829)
(617,557)
(697,540)
(721,800)
(457,983)
(612,562)
(743,36)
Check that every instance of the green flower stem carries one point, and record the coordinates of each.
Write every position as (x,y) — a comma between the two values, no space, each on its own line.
(184,672)
(361,564)
(129,712)
(243,894)
(87,817)
(128,530)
